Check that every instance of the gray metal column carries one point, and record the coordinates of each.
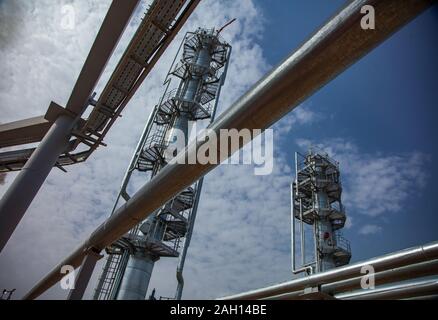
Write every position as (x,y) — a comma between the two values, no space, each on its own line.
(84,276)
(324,227)
(20,194)
(135,284)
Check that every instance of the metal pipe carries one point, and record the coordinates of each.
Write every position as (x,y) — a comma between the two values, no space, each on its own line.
(383,263)
(292,217)
(401,291)
(422,269)
(134,282)
(315,247)
(409,272)
(180,267)
(303,245)
(26,185)
(324,56)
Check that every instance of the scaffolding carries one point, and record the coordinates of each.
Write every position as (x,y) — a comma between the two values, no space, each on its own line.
(130,260)
(316,202)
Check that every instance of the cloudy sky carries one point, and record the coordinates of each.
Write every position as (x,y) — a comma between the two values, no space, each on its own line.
(377,119)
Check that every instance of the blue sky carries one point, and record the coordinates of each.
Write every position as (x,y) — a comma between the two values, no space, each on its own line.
(386,103)
(377,119)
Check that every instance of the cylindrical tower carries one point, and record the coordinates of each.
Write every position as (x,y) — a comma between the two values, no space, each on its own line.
(201,73)
(316,202)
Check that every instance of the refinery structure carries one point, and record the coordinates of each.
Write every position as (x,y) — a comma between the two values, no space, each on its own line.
(316,201)
(166,233)
(157,220)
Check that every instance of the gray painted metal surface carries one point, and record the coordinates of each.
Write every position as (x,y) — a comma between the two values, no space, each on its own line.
(26,185)
(143,52)
(409,290)
(137,275)
(336,46)
(316,201)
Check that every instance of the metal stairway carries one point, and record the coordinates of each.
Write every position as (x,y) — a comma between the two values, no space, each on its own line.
(316,201)
(163,233)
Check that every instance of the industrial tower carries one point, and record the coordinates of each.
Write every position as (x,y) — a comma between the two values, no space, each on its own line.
(316,202)
(166,233)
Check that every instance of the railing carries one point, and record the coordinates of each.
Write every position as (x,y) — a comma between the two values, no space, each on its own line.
(342,243)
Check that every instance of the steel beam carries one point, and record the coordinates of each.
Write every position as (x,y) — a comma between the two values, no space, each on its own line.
(112,28)
(23,131)
(84,275)
(336,46)
(21,193)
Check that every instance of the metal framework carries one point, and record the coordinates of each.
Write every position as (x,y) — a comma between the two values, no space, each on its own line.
(391,273)
(56,140)
(161,23)
(324,56)
(316,201)
(130,261)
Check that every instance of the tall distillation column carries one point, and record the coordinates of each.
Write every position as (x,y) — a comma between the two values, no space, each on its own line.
(316,202)
(201,73)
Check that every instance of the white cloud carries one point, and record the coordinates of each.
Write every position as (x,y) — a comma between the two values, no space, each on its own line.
(349,222)
(370,229)
(374,184)
(302,115)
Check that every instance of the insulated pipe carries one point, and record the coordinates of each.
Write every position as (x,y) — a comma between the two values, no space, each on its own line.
(401,291)
(409,272)
(389,261)
(336,46)
(417,270)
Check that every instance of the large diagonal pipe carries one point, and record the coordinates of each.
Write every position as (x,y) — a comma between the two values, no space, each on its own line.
(330,51)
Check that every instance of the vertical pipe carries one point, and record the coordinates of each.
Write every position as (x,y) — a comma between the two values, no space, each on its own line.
(316,239)
(180,267)
(292,236)
(26,185)
(303,246)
